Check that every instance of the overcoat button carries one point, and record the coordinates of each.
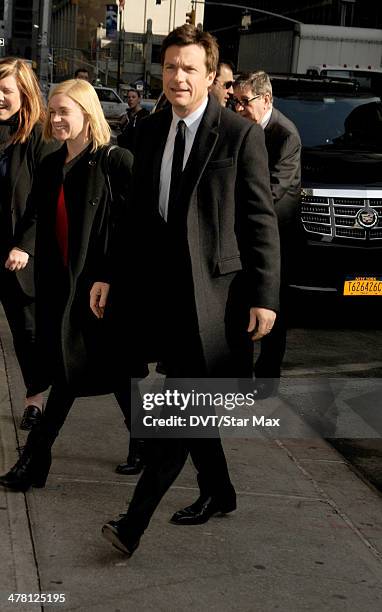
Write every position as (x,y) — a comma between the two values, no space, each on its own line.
(94,202)
(92,162)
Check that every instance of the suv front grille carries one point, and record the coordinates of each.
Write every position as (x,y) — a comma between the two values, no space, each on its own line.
(339,217)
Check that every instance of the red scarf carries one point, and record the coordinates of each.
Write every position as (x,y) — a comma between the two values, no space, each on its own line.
(62,226)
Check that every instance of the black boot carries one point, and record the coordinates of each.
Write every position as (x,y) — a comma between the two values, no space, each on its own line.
(32,468)
(135,459)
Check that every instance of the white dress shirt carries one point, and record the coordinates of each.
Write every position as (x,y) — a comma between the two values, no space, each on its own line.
(265,120)
(192,123)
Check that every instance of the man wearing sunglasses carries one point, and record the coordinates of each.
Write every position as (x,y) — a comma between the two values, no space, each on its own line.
(253,100)
(222,86)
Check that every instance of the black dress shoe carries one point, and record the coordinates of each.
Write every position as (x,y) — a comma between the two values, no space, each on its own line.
(266,387)
(130,467)
(135,460)
(31,417)
(202,510)
(116,533)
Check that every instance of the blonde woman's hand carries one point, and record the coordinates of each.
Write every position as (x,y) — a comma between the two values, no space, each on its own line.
(17,260)
(98,298)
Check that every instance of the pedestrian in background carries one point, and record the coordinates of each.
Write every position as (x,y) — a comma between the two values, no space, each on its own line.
(22,149)
(128,124)
(254,100)
(222,87)
(79,200)
(82,73)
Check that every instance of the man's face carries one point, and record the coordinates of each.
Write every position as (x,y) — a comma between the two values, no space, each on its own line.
(222,87)
(185,78)
(83,74)
(256,108)
(132,99)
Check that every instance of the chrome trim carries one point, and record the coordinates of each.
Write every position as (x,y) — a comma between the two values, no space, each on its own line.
(306,288)
(340,219)
(343,193)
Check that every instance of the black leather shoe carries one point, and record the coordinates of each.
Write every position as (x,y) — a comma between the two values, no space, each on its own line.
(130,467)
(266,387)
(115,532)
(135,460)
(201,511)
(31,417)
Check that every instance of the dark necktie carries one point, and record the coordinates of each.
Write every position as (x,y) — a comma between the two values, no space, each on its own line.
(177,166)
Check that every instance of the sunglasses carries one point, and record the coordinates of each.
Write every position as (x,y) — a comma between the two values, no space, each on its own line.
(245,101)
(226,85)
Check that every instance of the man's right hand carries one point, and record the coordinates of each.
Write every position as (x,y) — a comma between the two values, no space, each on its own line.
(17,260)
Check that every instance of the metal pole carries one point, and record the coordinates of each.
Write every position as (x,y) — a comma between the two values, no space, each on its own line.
(120,41)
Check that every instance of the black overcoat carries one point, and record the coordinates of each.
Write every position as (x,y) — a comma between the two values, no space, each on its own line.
(232,234)
(24,162)
(67,330)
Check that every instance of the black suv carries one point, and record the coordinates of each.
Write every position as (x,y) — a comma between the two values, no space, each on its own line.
(341,205)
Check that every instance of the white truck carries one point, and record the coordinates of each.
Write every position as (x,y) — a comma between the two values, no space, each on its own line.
(309,45)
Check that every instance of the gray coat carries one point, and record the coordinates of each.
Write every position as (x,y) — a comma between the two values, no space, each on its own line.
(232,233)
(284,152)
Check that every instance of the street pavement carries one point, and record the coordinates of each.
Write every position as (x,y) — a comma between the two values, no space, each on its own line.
(307,534)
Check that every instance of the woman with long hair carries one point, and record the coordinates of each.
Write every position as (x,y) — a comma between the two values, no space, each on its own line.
(22,149)
(80,201)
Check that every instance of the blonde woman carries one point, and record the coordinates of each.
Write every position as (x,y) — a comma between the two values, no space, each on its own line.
(80,197)
(22,113)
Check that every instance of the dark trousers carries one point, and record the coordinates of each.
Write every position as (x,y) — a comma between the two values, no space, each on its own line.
(58,405)
(20,312)
(273,345)
(165,457)
(272,350)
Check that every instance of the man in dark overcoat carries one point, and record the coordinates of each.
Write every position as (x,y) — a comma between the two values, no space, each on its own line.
(205,253)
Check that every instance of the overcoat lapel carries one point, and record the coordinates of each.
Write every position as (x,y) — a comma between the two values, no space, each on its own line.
(202,149)
(18,159)
(159,143)
(95,184)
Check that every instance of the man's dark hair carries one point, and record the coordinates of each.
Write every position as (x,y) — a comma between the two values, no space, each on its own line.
(222,64)
(77,72)
(188,34)
(134,91)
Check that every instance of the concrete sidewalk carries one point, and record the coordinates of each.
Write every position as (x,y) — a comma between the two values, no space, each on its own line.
(307,534)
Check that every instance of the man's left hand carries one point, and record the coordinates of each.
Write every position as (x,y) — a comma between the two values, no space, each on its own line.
(261,321)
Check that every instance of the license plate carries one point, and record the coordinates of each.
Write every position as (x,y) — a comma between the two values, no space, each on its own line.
(363,285)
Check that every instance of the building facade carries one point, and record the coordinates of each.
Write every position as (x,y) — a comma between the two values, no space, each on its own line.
(79,39)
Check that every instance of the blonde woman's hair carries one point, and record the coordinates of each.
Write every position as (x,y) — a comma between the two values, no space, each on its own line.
(84,94)
(32,107)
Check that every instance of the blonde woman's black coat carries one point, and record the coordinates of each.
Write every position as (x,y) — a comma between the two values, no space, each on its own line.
(68,333)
